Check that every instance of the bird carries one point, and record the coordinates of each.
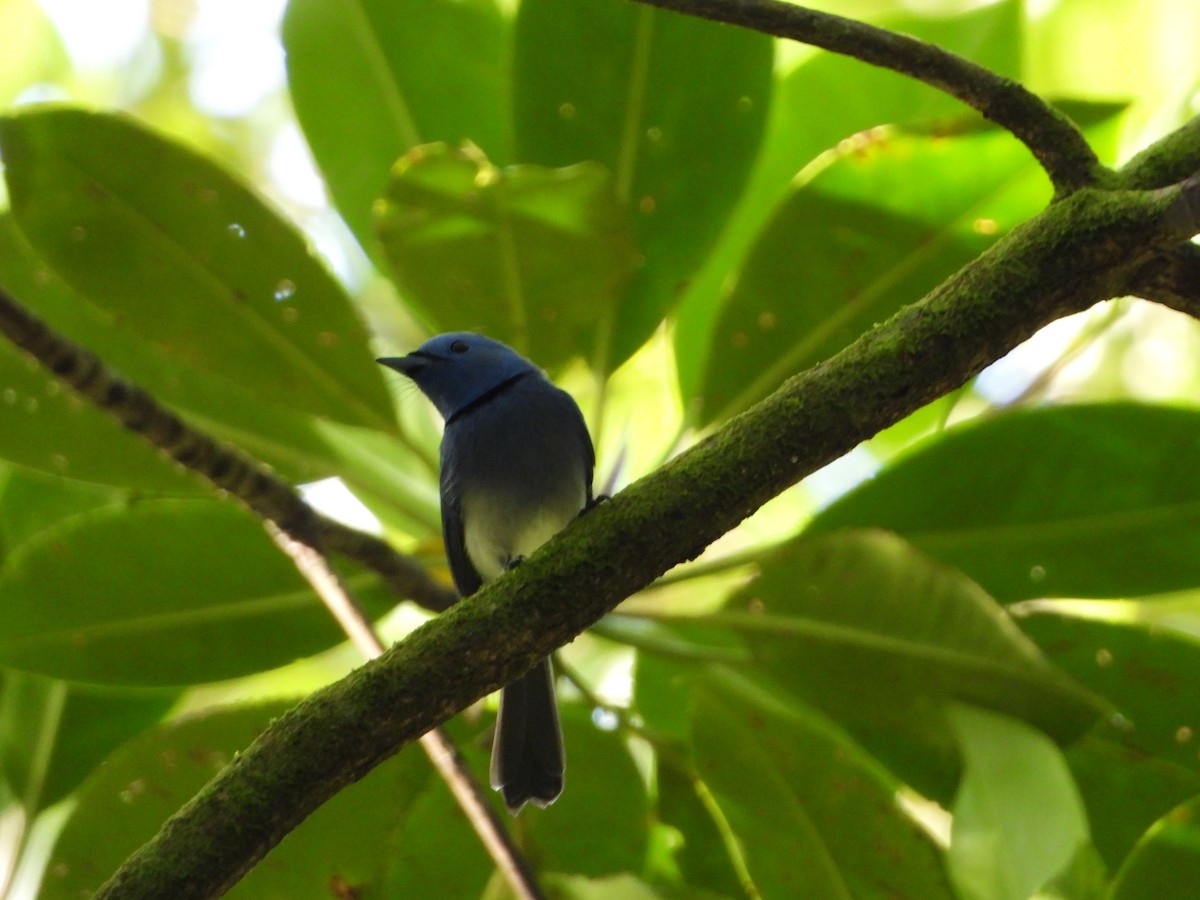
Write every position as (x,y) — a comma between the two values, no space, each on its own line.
(516,466)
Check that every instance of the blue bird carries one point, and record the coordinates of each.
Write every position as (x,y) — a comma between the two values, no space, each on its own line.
(516,467)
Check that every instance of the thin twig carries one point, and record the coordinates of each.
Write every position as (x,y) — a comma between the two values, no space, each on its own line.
(1052,138)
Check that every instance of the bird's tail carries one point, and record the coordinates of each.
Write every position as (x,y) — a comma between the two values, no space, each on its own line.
(527,753)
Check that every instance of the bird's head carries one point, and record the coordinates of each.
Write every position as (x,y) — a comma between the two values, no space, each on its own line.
(454,370)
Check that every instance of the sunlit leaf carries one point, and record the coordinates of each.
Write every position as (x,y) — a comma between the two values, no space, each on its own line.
(673,106)
(171,246)
(1018,819)
(1077,501)
(371,79)
(532,256)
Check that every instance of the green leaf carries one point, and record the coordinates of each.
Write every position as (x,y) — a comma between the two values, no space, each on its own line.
(813,814)
(405,74)
(531,256)
(889,218)
(1018,819)
(1147,673)
(1166,864)
(201,594)
(869,629)
(52,734)
(673,106)
(1068,501)
(852,97)
(171,246)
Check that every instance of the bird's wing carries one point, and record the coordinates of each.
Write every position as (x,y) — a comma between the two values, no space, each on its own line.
(466,579)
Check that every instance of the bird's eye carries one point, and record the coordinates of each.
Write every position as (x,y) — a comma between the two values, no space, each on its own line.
(460,347)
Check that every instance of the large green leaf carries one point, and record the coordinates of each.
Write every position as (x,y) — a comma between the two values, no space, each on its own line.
(825,98)
(883,224)
(869,629)
(814,815)
(532,256)
(1077,501)
(673,106)
(199,594)
(371,79)
(53,733)
(1018,819)
(171,246)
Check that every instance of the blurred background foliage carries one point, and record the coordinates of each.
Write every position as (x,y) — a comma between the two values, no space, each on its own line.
(959,662)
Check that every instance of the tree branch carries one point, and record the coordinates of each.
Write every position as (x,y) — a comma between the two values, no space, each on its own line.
(1076,253)
(1172,277)
(1052,138)
(1167,161)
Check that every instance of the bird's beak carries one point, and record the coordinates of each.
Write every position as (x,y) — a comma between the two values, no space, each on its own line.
(405,365)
